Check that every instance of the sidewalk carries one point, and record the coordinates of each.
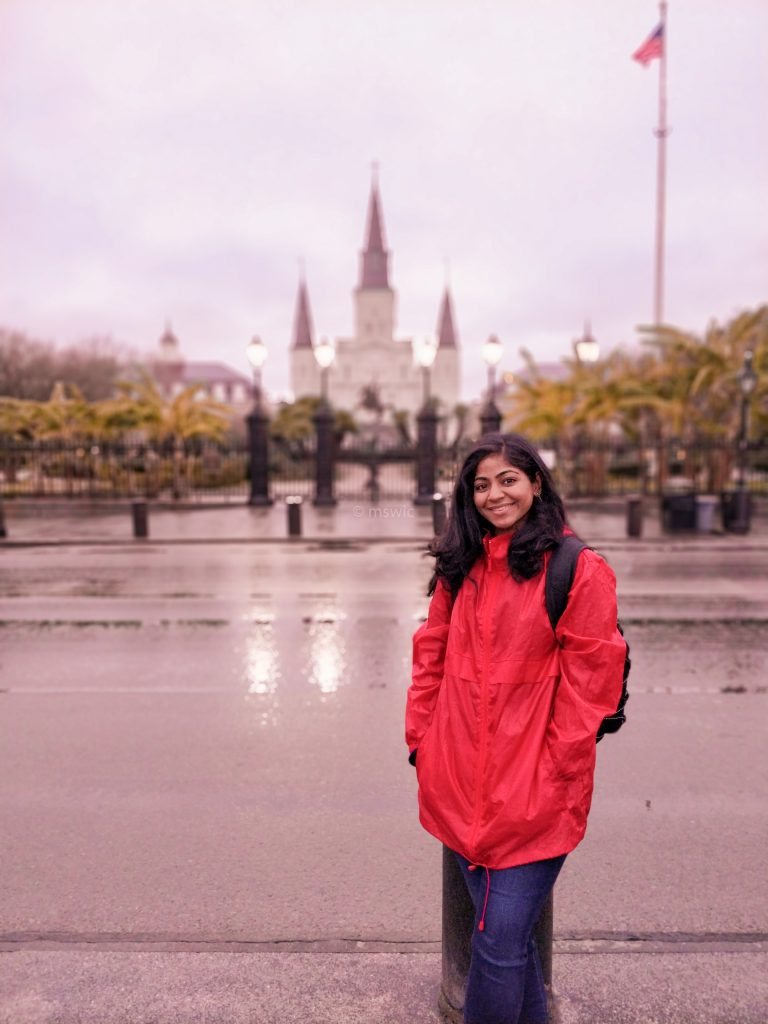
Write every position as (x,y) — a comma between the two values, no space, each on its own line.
(363,988)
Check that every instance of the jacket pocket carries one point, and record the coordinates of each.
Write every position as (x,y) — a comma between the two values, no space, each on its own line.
(422,751)
(562,770)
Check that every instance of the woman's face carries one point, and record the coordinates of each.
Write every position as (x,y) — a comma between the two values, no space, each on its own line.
(503,493)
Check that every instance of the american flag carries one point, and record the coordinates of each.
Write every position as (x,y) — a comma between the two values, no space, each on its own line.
(652,47)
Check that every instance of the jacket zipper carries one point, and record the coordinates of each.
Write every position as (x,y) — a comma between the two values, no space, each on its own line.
(484,683)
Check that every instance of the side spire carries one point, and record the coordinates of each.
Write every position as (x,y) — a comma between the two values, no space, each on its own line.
(446,331)
(374,259)
(302,323)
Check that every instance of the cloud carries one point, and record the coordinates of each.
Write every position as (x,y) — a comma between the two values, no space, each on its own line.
(174,158)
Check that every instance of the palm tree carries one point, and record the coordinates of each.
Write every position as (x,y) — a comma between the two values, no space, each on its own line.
(18,419)
(189,416)
(293,424)
(694,382)
(66,416)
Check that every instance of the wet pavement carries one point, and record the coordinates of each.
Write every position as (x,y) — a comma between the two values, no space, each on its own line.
(208,815)
(103,522)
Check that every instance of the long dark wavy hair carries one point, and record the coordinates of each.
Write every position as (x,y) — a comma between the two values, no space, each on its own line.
(461,543)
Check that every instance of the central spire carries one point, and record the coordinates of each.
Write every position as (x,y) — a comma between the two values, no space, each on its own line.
(302,323)
(446,332)
(374,261)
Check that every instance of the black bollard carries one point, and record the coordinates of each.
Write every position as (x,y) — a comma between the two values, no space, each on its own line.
(544,934)
(3,530)
(140,514)
(458,924)
(293,505)
(737,511)
(438,513)
(635,517)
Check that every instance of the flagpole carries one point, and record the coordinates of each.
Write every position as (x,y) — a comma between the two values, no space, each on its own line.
(661,174)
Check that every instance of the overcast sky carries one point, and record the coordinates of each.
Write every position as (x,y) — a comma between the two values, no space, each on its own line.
(176,158)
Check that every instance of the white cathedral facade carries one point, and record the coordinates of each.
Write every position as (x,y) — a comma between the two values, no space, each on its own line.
(375,358)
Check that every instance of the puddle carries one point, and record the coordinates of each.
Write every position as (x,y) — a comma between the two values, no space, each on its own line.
(71,623)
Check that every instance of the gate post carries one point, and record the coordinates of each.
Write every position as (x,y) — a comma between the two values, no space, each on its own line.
(324,457)
(258,454)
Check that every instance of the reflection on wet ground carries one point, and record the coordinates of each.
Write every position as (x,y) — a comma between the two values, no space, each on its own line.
(263,703)
(314,647)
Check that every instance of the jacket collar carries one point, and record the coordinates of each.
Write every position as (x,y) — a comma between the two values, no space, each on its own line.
(496,547)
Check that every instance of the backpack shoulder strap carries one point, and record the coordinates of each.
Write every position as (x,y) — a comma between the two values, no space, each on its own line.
(560,573)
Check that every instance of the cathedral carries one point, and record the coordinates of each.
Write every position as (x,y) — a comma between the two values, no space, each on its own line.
(374,367)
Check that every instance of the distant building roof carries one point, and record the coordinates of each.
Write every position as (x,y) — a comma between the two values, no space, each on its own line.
(212,373)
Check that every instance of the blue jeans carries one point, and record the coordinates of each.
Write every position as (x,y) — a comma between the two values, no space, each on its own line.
(505,984)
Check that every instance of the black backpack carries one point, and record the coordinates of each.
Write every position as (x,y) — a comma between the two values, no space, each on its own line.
(557,586)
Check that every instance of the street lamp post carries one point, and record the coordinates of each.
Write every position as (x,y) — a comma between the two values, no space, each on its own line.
(743,511)
(586,348)
(426,448)
(587,352)
(258,429)
(490,417)
(323,420)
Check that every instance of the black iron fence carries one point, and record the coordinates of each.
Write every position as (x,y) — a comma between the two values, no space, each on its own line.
(200,472)
(657,467)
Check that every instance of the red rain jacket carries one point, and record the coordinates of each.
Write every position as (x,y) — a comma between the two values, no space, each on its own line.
(505,716)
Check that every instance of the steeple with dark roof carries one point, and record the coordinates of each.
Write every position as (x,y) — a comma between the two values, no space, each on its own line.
(446,332)
(302,324)
(374,259)
(170,351)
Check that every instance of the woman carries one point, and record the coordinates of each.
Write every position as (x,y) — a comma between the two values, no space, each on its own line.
(503,711)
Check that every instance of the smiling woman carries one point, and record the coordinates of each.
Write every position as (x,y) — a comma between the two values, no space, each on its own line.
(503,711)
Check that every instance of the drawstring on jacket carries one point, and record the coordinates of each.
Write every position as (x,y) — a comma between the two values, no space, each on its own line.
(474,867)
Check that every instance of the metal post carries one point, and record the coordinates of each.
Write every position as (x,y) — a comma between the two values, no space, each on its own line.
(458,925)
(490,418)
(634,517)
(739,519)
(661,176)
(743,428)
(543,935)
(140,516)
(3,529)
(426,456)
(293,505)
(324,457)
(438,513)
(736,509)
